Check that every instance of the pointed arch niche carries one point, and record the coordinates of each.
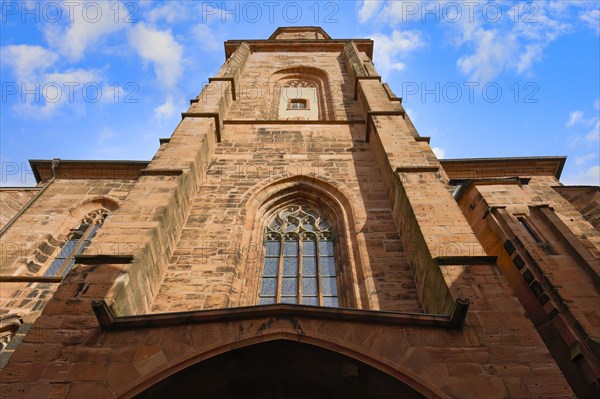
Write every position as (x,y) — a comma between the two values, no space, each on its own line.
(302,93)
(54,256)
(312,197)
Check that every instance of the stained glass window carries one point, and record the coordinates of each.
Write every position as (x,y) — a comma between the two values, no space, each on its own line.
(78,240)
(299,265)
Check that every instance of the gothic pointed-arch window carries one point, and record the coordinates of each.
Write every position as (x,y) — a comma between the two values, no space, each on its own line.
(78,239)
(299,264)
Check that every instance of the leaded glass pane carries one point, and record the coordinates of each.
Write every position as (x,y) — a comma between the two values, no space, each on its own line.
(329,286)
(291,227)
(289,286)
(95,228)
(269,286)
(324,224)
(271,267)
(289,299)
(309,248)
(266,300)
(67,249)
(331,301)
(54,267)
(326,248)
(69,266)
(290,267)
(310,300)
(309,286)
(309,267)
(290,248)
(272,249)
(327,266)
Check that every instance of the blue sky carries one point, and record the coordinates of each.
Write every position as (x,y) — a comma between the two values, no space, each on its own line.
(106,79)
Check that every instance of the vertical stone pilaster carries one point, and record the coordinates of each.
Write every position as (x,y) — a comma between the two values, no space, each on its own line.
(431,224)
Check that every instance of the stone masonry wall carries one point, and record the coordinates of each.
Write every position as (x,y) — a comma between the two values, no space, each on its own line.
(29,246)
(11,201)
(210,257)
(569,315)
(586,200)
(186,224)
(257,90)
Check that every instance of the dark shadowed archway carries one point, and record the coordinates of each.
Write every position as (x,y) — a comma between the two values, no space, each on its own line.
(280,369)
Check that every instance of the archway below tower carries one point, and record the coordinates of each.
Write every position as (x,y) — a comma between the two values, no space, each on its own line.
(280,369)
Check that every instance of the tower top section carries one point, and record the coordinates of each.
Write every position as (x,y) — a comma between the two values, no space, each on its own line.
(299,33)
(299,39)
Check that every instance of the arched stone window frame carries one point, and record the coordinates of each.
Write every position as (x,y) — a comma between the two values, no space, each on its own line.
(91,211)
(314,193)
(304,76)
(77,240)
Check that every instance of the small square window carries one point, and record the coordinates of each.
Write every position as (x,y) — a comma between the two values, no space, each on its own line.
(298,103)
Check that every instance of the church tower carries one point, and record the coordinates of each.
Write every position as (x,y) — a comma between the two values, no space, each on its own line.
(297,237)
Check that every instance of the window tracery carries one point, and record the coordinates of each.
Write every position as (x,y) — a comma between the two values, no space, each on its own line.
(299,83)
(299,264)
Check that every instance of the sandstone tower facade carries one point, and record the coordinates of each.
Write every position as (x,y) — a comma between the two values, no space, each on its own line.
(297,237)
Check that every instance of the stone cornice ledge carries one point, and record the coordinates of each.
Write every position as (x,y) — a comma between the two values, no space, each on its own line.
(109,321)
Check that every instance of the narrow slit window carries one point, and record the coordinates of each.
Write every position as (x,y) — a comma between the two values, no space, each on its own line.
(299,265)
(529,230)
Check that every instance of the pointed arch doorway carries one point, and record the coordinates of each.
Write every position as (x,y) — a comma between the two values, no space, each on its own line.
(280,369)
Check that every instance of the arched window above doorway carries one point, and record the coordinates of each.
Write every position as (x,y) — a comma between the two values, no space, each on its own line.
(299,262)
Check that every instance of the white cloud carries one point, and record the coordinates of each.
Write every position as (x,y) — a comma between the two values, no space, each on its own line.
(389,48)
(439,152)
(580,160)
(105,134)
(165,111)
(89,21)
(368,9)
(574,118)
(590,176)
(510,44)
(26,61)
(594,134)
(170,12)
(592,19)
(513,42)
(533,53)
(578,118)
(56,89)
(161,49)
(401,12)
(492,51)
(205,35)
(173,12)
